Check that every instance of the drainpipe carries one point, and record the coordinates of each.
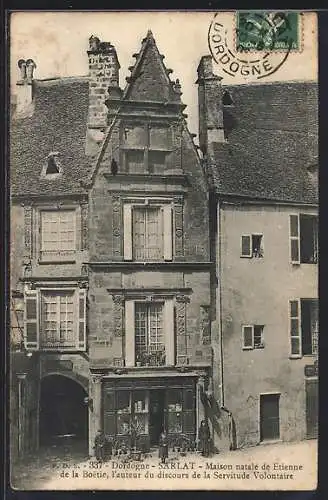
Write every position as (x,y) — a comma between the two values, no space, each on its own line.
(219,299)
(21,408)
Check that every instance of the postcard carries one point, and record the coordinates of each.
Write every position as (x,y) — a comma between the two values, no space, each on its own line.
(164,250)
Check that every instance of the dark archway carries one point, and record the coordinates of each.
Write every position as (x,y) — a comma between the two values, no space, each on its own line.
(63,412)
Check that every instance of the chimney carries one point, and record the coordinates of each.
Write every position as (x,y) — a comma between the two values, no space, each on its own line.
(104,89)
(210,105)
(24,95)
(104,80)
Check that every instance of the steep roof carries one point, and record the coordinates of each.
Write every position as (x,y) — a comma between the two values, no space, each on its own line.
(149,80)
(57,124)
(272,143)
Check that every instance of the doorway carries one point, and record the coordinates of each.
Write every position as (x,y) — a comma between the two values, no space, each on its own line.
(63,413)
(269,417)
(156,415)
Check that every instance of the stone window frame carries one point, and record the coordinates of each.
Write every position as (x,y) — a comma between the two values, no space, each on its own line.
(169,244)
(34,320)
(64,257)
(146,147)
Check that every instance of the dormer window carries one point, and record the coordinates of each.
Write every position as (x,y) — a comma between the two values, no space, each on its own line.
(52,167)
(227,99)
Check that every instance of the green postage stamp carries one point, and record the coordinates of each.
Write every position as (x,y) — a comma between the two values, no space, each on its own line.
(272,31)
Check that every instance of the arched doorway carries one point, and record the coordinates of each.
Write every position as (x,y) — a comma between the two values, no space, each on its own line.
(63,413)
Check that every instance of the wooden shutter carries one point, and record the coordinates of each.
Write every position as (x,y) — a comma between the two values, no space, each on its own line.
(31,319)
(248,336)
(294,239)
(127,239)
(167,232)
(109,423)
(189,411)
(246,245)
(82,319)
(169,332)
(295,327)
(129,333)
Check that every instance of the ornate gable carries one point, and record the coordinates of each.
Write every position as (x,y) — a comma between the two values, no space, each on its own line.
(149,80)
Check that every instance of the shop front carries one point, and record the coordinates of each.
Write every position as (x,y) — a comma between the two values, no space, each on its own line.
(136,411)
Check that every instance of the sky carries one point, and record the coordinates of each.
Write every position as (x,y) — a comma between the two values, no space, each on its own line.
(58,41)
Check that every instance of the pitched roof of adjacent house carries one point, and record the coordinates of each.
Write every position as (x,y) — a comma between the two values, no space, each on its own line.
(271,150)
(57,123)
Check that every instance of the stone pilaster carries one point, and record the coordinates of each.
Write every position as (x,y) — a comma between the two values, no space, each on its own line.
(94,410)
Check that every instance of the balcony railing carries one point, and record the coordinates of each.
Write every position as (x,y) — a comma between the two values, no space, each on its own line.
(58,344)
(154,358)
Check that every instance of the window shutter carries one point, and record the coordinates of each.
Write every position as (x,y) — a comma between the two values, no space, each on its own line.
(248,336)
(167,232)
(127,240)
(294,238)
(31,319)
(129,333)
(82,319)
(295,327)
(246,245)
(169,332)
(109,412)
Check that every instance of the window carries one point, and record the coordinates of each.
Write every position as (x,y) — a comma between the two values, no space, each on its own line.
(269,417)
(147,231)
(149,410)
(252,245)
(58,234)
(252,336)
(303,231)
(304,326)
(52,167)
(146,148)
(149,332)
(55,319)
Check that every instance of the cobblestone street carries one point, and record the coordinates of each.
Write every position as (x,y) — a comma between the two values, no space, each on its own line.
(64,469)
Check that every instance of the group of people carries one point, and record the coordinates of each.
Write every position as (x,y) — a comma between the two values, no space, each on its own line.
(103,448)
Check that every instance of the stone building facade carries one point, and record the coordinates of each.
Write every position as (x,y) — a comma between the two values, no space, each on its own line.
(110,253)
(155,283)
(260,148)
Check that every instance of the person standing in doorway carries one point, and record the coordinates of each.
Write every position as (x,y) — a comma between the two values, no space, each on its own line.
(204,438)
(163,447)
(100,441)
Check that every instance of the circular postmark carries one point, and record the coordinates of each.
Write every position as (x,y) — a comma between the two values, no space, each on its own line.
(255,45)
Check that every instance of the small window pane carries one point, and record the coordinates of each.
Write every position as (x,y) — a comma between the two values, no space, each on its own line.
(109,424)
(123,401)
(109,400)
(175,422)
(295,345)
(123,423)
(294,327)
(135,162)
(31,332)
(30,309)
(246,245)
(294,225)
(248,336)
(295,250)
(294,309)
